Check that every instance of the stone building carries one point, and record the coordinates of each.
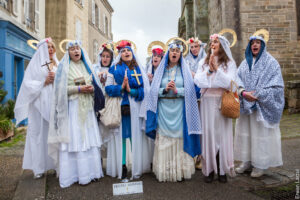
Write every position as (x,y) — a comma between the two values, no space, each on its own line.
(88,21)
(100,13)
(19,22)
(280,18)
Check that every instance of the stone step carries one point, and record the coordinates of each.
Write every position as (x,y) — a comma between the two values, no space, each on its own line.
(29,188)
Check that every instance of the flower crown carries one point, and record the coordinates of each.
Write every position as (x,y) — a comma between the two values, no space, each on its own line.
(158,51)
(123,44)
(194,40)
(73,44)
(174,45)
(214,36)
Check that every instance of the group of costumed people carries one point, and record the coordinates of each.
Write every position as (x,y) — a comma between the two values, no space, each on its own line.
(169,111)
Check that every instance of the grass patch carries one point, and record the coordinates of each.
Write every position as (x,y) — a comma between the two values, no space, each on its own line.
(14,140)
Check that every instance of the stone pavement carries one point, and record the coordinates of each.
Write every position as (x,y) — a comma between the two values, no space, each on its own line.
(18,184)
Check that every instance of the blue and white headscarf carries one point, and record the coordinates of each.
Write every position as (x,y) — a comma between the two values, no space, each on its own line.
(191,106)
(59,124)
(266,80)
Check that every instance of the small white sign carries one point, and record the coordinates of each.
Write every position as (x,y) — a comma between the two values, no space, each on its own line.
(128,188)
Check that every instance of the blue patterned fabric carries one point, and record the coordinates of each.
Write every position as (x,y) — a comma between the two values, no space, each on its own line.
(266,80)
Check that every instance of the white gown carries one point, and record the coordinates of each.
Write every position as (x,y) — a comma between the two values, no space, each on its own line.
(217,129)
(36,156)
(139,157)
(80,159)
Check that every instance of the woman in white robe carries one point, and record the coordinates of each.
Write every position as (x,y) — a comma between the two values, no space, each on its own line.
(214,76)
(33,102)
(257,139)
(105,61)
(133,90)
(74,138)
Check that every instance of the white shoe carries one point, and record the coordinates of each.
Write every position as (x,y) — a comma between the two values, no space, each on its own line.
(243,167)
(37,176)
(256,172)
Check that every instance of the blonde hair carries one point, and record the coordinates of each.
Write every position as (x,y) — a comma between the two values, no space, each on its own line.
(54,46)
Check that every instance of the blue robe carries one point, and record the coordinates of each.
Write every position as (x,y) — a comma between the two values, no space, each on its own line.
(137,91)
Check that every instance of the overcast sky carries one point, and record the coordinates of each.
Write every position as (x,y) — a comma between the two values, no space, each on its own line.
(143,21)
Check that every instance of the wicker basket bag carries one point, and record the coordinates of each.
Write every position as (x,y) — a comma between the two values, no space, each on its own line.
(230,106)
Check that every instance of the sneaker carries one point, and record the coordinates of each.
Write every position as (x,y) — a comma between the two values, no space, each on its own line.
(243,167)
(256,172)
(37,176)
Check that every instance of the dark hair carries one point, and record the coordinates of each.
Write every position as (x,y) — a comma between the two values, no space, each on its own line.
(110,53)
(222,57)
(131,65)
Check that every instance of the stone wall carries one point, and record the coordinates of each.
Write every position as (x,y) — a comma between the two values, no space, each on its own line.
(279,18)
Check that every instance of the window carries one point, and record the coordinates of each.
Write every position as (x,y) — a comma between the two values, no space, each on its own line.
(95,51)
(4,4)
(99,18)
(81,2)
(37,15)
(104,28)
(298,15)
(97,15)
(78,30)
(93,11)
(15,7)
(106,25)
(26,12)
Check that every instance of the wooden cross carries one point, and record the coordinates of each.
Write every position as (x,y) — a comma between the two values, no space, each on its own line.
(47,64)
(136,76)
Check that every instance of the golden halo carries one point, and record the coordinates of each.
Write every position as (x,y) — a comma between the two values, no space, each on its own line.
(156,43)
(61,43)
(183,41)
(232,32)
(263,32)
(117,44)
(32,42)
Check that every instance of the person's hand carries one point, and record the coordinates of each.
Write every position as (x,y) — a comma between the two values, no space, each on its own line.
(193,74)
(50,78)
(124,84)
(150,77)
(249,96)
(127,87)
(170,86)
(212,63)
(86,89)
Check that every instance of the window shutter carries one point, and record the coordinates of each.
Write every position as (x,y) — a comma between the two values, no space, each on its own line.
(93,11)
(78,30)
(37,15)
(31,14)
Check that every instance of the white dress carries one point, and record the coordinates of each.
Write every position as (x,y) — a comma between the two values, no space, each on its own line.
(217,129)
(80,159)
(36,156)
(256,143)
(138,155)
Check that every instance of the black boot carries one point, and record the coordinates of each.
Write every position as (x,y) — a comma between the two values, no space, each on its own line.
(221,178)
(209,178)
(124,172)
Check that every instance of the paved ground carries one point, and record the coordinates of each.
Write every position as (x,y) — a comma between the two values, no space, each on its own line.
(241,187)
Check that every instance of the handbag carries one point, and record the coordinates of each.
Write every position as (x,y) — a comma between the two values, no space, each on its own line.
(230,106)
(110,115)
